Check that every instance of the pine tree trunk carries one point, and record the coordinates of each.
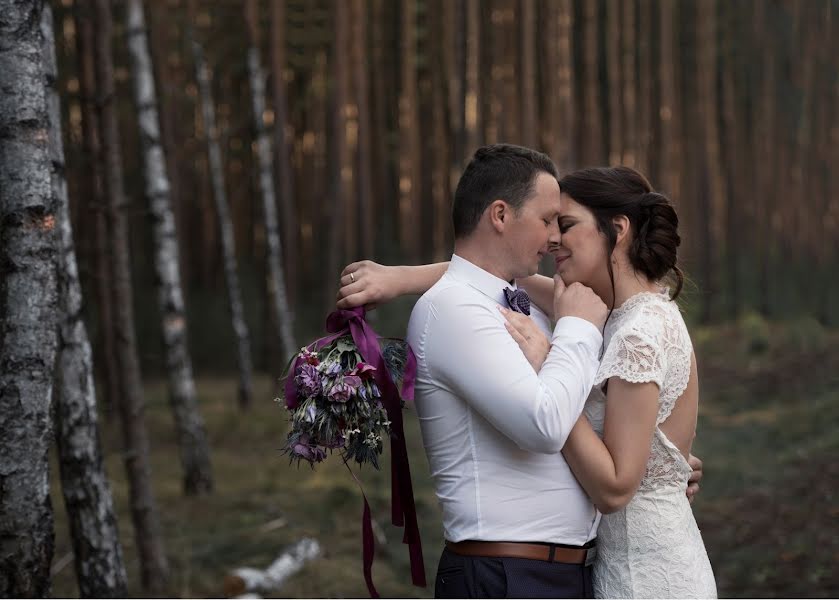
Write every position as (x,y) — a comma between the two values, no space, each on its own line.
(559,76)
(97,552)
(28,306)
(529,100)
(154,567)
(189,425)
(613,69)
(714,200)
(453,25)
(410,171)
(340,155)
(276,278)
(472,102)
(629,95)
(592,132)
(440,138)
(285,173)
(364,166)
(105,360)
(668,175)
(645,85)
(225,225)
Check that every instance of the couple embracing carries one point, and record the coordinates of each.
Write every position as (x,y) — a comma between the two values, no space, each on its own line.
(557,415)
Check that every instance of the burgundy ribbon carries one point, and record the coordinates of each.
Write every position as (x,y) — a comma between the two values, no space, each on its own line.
(403,509)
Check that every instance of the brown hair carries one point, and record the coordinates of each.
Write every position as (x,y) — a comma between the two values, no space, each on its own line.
(500,171)
(609,192)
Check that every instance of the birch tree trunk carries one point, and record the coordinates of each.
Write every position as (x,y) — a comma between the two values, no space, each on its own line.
(225,224)
(189,425)
(276,278)
(28,306)
(100,570)
(154,568)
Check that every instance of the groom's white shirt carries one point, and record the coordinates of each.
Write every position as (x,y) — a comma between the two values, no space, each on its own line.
(492,427)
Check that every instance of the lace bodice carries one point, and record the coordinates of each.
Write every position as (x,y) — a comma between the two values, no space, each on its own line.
(646,340)
(652,547)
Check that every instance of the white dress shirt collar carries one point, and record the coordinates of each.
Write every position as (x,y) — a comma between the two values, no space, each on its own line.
(485,282)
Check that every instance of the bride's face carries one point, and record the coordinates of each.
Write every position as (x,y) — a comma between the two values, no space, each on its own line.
(581,255)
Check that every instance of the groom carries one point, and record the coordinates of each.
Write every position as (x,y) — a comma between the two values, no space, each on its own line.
(516,521)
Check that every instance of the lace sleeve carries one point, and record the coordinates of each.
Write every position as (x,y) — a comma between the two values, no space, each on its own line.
(634,356)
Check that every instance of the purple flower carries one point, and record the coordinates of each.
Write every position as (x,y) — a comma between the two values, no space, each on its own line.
(341,392)
(364,370)
(308,379)
(305,449)
(354,381)
(311,413)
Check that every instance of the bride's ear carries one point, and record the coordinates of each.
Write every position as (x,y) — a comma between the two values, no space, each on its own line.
(622,228)
(499,212)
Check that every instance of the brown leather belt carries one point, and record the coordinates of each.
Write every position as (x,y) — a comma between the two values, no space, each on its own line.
(546,552)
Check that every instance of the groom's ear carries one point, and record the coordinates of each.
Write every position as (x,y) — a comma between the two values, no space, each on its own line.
(499,213)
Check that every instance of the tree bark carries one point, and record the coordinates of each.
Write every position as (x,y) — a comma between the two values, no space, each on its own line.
(282,312)
(189,425)
(100,570)
(613,69)
(629,95)
(592,134)
(713,200)
(410,169)
(645,85)
(225,223)
(529,100)
(28,306)
(285,173)
(472,101)
(363,164)
(154,568)
(105,361)
(668,56)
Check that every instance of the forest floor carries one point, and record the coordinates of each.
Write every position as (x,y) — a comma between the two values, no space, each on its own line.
(769,509)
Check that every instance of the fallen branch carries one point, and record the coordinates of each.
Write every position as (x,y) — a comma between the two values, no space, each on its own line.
(250,581)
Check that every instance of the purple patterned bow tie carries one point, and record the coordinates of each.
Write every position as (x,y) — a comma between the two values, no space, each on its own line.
(518,300)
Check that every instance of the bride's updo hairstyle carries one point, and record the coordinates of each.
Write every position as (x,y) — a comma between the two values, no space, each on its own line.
(612,191)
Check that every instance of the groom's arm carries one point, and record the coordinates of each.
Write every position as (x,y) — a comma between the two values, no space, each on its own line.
(469,351)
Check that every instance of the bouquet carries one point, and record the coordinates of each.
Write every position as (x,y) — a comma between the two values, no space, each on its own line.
(339,404)
(346,392)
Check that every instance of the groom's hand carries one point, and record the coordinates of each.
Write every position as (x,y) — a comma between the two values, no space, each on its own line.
(580,301)
(696,474)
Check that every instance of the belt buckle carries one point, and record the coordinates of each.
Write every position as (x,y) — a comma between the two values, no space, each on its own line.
(591,554)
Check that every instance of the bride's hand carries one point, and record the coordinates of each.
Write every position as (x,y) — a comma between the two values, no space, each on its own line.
(532,341)
(368,284)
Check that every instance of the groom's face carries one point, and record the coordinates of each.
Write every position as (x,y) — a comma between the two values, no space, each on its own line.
(534,227)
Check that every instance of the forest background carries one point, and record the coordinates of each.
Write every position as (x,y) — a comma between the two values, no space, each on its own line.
(225,159)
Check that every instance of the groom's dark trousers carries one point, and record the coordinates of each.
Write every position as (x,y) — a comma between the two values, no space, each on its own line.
(498,570)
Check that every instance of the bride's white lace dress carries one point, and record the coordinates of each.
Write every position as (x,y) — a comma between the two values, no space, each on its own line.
(652,548)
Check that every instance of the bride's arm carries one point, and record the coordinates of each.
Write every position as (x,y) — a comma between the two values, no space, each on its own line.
(541,292)
(367,283)
(610,470)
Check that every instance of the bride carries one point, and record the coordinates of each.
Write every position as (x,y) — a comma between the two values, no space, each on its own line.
(630,449)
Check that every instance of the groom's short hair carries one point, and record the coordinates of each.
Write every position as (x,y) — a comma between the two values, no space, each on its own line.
(497,172)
